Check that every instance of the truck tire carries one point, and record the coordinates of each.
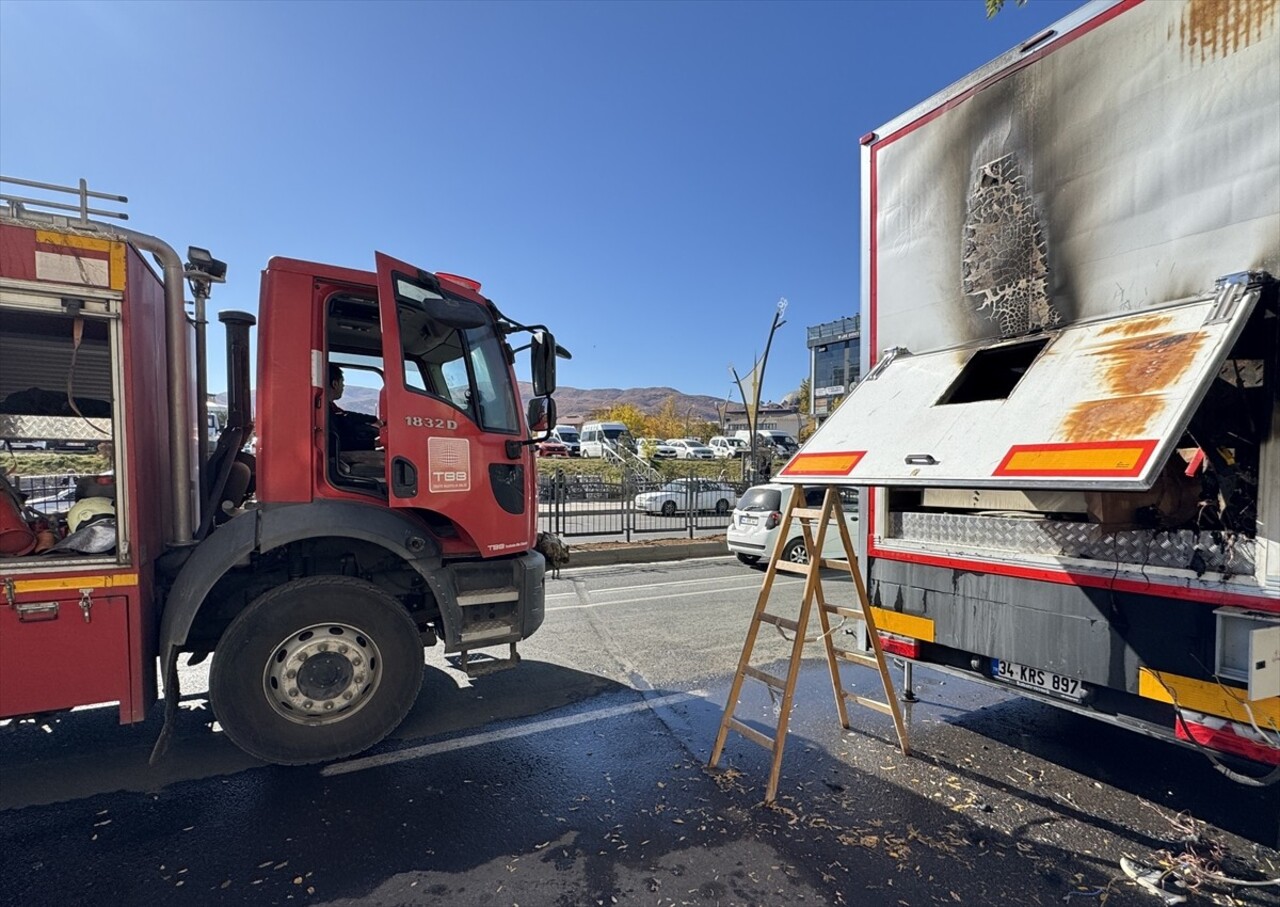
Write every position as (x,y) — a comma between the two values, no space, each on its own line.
(316,669)
(668,508)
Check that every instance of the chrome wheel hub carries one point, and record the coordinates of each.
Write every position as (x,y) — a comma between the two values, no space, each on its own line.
(322,674)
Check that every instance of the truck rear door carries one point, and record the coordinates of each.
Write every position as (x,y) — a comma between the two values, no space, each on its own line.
(450,411)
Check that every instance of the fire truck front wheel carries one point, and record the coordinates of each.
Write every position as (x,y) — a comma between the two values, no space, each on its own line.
(316,669)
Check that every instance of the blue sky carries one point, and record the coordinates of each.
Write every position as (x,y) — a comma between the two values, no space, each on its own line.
(647,179)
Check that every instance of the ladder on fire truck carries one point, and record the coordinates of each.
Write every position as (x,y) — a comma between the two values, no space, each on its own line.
(809,520)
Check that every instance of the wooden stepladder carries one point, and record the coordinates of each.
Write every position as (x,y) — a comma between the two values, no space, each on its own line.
(809,518)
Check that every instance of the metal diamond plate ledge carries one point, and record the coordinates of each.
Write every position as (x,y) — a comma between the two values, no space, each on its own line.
(1219,552)
(54,428)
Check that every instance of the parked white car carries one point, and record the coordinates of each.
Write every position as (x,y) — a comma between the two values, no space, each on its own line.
(653,449)
(683,495)
(753,530)
(727,448)
(690,449)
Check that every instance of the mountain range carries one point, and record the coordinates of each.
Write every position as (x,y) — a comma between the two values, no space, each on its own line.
(573,402)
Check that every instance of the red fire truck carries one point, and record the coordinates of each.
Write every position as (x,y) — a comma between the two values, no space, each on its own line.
(314,571)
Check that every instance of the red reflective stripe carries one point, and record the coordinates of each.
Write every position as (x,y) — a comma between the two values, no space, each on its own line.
(903,647)
(1226,741)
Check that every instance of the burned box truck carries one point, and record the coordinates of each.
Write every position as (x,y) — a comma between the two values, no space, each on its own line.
(1069,421)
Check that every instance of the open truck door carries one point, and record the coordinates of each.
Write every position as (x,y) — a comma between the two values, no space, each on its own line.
(1099,405)
(452,424)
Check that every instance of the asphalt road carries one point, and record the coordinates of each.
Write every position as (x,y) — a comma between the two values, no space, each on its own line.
(578,778)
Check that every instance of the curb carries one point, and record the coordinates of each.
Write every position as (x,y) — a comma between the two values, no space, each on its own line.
(643,554)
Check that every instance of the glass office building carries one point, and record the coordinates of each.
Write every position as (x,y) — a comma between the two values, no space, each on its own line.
(835,351)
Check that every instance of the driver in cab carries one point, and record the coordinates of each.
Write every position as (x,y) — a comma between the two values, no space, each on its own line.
(348,431)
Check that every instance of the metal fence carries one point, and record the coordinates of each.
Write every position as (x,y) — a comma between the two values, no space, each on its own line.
(48,494)
(568,505)
(571,505)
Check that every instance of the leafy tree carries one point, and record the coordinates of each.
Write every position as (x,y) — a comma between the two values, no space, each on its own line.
(807,423)
(667,422)
(994,6)
(703,430)
(627,413)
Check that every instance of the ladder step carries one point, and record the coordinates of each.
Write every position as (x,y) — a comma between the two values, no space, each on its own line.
(777,621)
(855,613)
(874,704)
(776,682)
(751,733)
(867,661)
(788,567)
(807,513)
(838,563)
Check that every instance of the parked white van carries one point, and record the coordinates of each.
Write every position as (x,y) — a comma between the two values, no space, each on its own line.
(775,440)
(568,436)
(782,442)
(598,435)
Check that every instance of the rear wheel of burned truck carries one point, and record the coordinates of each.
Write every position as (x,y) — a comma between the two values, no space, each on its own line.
(316,669)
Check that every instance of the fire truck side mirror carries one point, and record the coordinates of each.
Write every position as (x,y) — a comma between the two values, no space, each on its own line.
(541,415)
(542,354)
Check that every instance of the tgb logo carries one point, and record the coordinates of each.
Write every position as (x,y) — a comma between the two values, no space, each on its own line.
(448,464)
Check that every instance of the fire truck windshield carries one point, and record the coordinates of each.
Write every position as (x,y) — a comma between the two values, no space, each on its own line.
(465,367)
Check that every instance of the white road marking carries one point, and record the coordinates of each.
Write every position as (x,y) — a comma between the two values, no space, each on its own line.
(524,730)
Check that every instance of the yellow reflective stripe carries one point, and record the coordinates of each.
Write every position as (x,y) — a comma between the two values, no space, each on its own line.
(1207,697)
(115,251)
(912,625)
(838,463)
(1114,459)
(105,581)
(73,242)
(117,266)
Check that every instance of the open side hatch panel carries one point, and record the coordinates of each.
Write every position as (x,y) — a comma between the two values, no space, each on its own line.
(1098,405)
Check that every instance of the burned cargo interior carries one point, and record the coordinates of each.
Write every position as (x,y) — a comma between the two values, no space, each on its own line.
(1200,515)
